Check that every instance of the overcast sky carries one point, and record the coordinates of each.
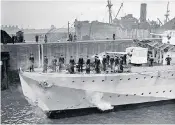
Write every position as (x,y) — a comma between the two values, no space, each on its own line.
(42,14)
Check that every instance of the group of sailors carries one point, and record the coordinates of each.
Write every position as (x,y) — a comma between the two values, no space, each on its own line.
(97,65)
(168,60)
(114,63)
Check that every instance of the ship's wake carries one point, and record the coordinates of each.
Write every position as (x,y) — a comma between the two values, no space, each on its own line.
(96,99)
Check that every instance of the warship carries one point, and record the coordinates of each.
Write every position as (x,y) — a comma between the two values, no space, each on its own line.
(61,91)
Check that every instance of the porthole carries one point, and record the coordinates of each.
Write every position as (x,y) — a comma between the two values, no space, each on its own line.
(149,92)
(110,96)
(163,91)
(83,81)
(151,76)
(170,90)
(142,94)
(128,78)
(120,79)
(111,80)
(136,78)
(126,94)
(144,77)
(73,81)
(134,94)
(92,80)
(157,92)
(118,95)
(103,80)
(159,76)
(172,75)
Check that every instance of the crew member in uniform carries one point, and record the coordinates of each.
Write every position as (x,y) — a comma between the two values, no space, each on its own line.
(151,59)
(120,65)
(80,64)
(31,59)
(54,63)
(124,59)
(104,62)
(88,65)
(168,59)
(95,60)
(72,63)
(45,65)
(111,62)
(116,60)
(121,60)
(97,65)
(114,36)
(108,59)
(116,63)
(61,62)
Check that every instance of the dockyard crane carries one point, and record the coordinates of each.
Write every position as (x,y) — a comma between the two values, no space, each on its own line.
(119,10)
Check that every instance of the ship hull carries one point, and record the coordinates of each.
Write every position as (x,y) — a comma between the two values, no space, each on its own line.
(59,92)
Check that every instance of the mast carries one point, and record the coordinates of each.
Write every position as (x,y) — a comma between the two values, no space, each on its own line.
(109,5)
(167,14)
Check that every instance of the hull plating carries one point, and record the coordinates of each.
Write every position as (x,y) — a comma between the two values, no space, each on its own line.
(53,91)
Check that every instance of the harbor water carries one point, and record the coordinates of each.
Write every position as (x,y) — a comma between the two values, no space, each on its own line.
(15,109)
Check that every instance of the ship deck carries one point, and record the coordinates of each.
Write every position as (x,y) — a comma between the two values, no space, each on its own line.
(134,70)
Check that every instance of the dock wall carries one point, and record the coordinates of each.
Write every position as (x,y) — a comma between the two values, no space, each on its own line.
(20,52)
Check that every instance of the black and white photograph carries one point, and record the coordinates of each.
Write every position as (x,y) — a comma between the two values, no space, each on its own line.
(87,61)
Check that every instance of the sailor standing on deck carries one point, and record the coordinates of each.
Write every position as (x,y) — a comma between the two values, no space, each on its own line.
(116,63)
(151,59)
(61,62)
(168,59)
(124,59)
(88,65)
(104,62)
(114,36)
(54,62)
(72,63)
(80,64)
(108,59)
(97,65)
(121,60)
(31,59)
(45,65)
(112,62)
(120,65)
(116,60)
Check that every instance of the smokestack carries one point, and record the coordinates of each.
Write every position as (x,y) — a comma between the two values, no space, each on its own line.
(143,12)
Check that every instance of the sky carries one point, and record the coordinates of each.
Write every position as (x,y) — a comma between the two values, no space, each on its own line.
(43,14)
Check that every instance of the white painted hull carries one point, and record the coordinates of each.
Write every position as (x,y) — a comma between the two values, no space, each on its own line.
(75,91)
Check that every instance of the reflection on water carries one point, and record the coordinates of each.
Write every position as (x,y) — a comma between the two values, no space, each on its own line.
(15,109)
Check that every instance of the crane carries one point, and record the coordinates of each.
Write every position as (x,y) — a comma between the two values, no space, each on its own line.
(119,10)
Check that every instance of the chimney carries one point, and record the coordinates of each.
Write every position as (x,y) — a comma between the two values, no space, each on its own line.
(143,12)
